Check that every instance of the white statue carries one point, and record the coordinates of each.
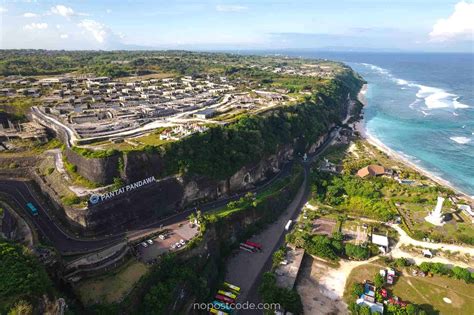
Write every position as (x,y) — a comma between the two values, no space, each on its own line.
(435,217)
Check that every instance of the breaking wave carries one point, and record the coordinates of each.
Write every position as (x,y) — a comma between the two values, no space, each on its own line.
(461,140)
(434,98)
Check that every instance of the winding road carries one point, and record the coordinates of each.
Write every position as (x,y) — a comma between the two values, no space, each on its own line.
(19,194)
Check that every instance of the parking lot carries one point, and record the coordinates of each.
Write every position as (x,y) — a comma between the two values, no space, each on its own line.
(176,233)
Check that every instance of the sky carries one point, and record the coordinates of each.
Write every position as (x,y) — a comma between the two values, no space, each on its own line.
(357,25)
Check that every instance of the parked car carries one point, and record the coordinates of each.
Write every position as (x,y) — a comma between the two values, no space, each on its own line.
(161,236)
(144,244)
(182,242)
(149,242)
(178,245)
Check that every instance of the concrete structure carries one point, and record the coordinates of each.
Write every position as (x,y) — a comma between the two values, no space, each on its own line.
(381,241)
(467,209)
(288,271)
(436,217)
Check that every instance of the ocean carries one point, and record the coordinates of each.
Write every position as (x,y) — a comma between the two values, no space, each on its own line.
(420,105)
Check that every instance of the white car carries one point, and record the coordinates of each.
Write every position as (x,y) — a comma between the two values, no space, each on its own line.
(144,244)
(149,242)
(182,242)
(178,245)
(161,236)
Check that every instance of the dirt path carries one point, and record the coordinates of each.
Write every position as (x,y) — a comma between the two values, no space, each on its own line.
(407,240)
(321,287)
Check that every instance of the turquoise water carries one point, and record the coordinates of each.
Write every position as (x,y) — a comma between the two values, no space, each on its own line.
(422,106)
(426,117)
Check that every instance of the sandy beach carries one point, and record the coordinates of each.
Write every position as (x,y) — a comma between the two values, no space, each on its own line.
(360,127)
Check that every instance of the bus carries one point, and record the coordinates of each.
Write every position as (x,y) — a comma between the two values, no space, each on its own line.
(214,311)
(247,247)
(32,208)
(288,225)
(224,299)
(256,245)
(234,288)
(222,306)
(228,294)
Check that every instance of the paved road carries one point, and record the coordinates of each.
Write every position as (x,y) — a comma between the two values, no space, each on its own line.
(20,194)
(246,269)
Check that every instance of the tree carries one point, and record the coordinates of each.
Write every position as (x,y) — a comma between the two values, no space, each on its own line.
(353,308)
(357,289)
(401,262)
(364,310)
(379,280)
(462,274)
(357,251)
(425,266)
(411,309)
(21,274)
(21,307)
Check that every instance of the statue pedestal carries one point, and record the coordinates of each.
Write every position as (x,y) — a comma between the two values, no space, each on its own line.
(435,220)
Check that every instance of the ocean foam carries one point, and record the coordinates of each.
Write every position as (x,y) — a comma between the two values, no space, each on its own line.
(457,104)
(461,140)
(434,98)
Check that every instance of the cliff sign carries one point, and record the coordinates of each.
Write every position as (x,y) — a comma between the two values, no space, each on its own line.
(96,198)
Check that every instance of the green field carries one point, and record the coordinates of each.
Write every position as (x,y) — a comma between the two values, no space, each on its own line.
(112,287)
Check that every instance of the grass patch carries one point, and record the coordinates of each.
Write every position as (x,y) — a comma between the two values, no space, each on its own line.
(112,287)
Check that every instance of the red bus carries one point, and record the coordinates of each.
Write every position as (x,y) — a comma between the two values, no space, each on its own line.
(256,245)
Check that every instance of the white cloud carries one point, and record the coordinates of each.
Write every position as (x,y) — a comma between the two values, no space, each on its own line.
(98,30)
(35,26)
(62,10)
(3,9)
(108,11)
(458,25)
(230,8)
(30,15)
(64,36)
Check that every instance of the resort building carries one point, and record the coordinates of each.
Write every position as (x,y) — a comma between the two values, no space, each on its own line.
(371,171)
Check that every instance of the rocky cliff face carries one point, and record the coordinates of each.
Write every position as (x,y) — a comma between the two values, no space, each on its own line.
(97,170)
(171,194)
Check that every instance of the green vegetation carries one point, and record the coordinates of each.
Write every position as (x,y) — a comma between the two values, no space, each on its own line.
(76,178)
(353,195)
(356,251)
(169,276)
(441,269)
(17,107)
(22,277)
(94,154)
(268,203)
(278,256)
(271,293)
(113,286)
